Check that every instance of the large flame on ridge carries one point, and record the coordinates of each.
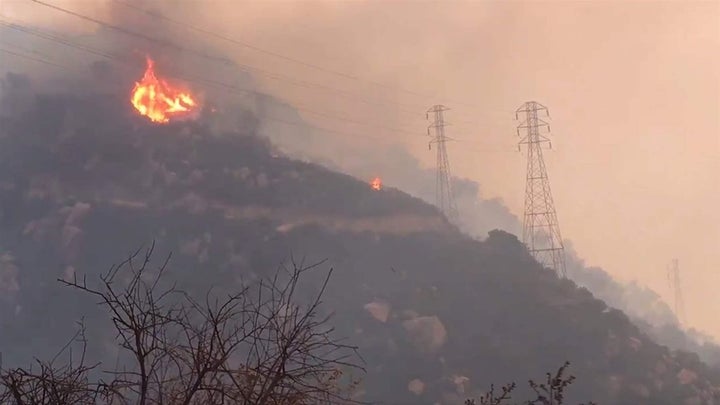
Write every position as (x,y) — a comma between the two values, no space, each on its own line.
(376,184)
(159,101)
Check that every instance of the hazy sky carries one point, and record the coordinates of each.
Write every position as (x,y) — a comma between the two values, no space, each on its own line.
(633,88)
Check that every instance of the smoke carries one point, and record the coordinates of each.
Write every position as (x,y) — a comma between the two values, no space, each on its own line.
(107,59)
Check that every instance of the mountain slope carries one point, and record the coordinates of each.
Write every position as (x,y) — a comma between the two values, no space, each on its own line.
(83,181)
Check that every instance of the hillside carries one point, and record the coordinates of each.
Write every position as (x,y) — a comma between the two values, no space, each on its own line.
(83,181)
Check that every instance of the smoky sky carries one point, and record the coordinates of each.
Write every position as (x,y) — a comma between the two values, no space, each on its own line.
(632,89)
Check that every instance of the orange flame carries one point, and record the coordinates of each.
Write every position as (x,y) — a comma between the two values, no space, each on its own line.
(157,100)
(376,184)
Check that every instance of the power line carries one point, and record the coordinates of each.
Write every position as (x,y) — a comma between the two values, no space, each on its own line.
(299,124)
(227,62)
(405,108)
(110,56)
(132,33)
(207,82)
(55,38)
(32,58)
(200,80)
(226,87)
(298,105)
(274,54)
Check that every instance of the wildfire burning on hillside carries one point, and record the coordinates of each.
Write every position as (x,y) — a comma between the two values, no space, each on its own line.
(376,184)
(158,100)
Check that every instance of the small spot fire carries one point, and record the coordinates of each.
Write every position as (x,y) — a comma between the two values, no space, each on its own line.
(158,100)
(376,184)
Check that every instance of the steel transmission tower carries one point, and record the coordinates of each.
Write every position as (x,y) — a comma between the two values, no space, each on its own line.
(541,231)
(443,190)
(674,279)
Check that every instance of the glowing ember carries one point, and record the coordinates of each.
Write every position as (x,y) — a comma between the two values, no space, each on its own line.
(157,100)
(376,184)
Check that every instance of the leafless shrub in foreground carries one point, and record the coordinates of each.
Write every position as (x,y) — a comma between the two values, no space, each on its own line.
(53,382)
(551,392)
(255,346)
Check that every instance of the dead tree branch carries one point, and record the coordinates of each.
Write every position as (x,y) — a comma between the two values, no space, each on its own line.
(256,346)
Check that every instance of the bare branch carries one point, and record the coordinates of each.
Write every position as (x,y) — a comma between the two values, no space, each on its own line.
(255,346)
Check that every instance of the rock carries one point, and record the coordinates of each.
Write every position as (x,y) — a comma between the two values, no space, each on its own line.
(426,332)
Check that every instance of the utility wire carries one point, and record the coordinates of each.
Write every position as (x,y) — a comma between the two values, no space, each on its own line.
(404,108)
(229,88)
(205,81)
(55,38)
(227,62)
(247,45)
(32,58)
(278,55)
(299,124)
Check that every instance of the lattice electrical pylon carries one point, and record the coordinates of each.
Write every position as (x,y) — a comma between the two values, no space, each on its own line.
(443,187)
(674,280)
(541,232)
